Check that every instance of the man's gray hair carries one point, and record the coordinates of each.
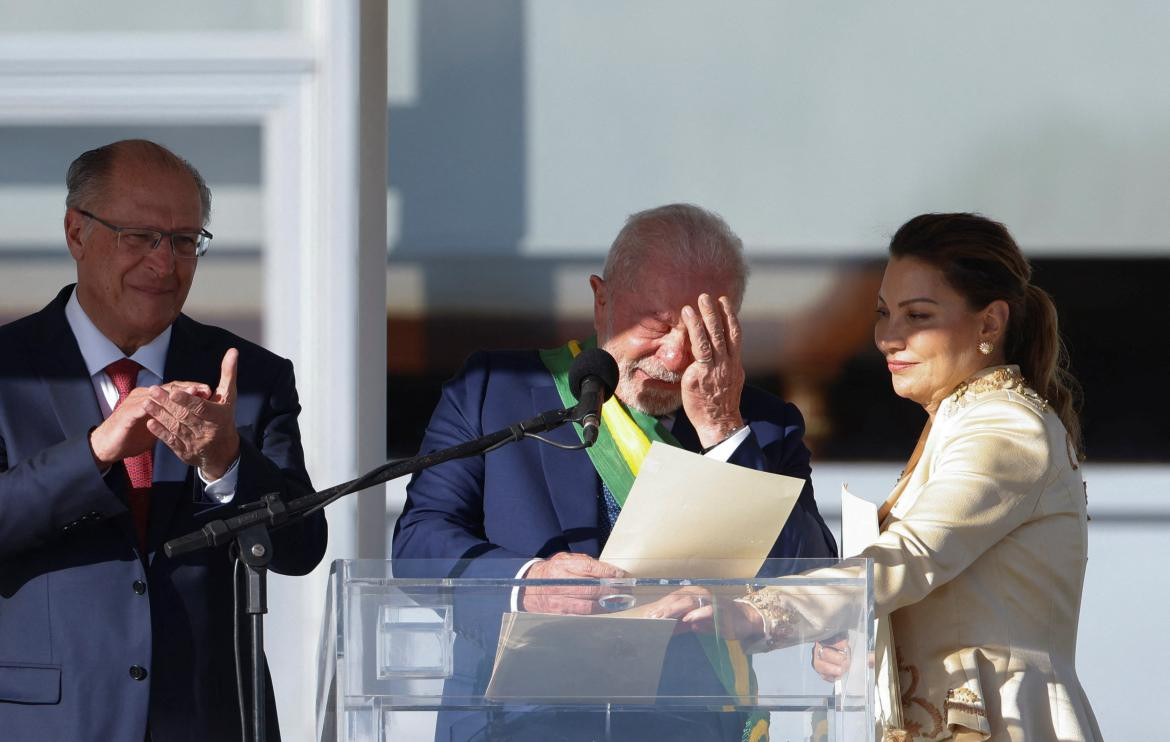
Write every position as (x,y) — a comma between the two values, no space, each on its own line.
(687,238)
(87,175)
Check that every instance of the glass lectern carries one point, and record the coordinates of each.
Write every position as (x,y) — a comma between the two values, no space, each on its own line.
(415,650)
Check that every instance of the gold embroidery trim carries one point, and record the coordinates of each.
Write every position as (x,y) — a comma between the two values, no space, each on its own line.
(779,617)
(965,699)
(1006,378)
(914,729)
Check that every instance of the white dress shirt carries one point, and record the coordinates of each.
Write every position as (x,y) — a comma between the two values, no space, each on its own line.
(99,352)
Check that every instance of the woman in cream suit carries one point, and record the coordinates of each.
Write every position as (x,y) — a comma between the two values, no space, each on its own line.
(981,559)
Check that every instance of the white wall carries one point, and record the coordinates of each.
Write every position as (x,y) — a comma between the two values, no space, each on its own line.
(56,16)
(815,128)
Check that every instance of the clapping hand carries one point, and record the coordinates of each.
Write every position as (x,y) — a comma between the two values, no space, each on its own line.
(197,424)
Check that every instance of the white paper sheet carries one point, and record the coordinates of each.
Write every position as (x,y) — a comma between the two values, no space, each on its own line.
(859,523)
(691,516)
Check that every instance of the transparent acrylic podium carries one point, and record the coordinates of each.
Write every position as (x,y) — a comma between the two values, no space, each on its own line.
(419,650)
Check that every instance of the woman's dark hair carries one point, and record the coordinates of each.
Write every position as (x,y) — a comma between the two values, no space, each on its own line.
(980,260)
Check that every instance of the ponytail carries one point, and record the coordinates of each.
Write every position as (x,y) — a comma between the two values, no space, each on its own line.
(1043,359)
(980,259)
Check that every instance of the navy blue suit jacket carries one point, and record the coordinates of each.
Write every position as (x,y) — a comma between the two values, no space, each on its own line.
(531,500)
(79,605)
(483,516)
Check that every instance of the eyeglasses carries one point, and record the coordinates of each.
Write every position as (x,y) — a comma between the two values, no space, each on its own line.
(139,240)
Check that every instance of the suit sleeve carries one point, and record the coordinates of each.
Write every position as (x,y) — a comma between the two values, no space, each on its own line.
(274,461)
(45,495)
(776,445)
(442,520)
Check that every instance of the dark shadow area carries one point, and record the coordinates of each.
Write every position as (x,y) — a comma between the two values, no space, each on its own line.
(1113,320)
(1112,317)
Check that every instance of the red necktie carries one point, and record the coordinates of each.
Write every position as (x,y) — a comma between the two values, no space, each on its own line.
(124,374)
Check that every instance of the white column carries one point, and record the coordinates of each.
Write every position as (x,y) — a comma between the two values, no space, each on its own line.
(325,268)
(322,103)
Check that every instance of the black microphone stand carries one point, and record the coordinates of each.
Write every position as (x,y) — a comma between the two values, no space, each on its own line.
(250,530)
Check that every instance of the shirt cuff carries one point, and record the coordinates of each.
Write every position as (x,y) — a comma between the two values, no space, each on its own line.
(516,590)
(223,489)
(723,450)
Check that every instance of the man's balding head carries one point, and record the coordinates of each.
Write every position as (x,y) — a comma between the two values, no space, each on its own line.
(678,239)
(88,175)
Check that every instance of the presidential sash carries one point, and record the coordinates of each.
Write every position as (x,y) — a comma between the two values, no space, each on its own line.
(622,444)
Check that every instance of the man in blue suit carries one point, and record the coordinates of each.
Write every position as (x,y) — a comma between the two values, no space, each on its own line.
(124,423)
(666,310)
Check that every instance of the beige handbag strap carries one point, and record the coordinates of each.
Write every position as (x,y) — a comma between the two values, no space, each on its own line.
(904,479)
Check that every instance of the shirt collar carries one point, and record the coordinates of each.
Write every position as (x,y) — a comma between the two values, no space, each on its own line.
(99,351)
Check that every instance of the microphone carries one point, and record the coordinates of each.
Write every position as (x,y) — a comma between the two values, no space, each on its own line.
(592,379)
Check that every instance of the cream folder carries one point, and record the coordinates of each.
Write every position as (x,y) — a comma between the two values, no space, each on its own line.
(576,658)
(691,516)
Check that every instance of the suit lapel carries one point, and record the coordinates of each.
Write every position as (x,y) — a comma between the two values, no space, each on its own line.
(572,482)
(68,383)
(684,432)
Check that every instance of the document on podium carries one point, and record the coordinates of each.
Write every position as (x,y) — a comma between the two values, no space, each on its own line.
(569,658)
(691,516)
(686,516)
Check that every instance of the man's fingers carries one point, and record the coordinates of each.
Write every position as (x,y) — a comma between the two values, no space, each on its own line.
(173,409)
(133,407)
(734,331)
(713,324)
(701,347)
(566,592)
(169,439)
(180,425)
(226,391)
(194,388)
(593,568)
(575,605)
(182,404)
(566,564)
(566,605)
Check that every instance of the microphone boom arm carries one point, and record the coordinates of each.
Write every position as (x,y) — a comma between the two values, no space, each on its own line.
(274,512)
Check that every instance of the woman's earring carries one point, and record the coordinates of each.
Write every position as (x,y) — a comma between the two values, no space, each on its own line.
(986,347)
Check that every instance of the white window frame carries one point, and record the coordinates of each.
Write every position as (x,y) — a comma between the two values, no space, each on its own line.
(319,96)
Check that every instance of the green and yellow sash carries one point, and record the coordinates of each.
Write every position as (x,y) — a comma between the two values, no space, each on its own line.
(622,445)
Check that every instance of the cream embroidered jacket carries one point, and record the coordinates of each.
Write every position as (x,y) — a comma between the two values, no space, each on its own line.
(981,564)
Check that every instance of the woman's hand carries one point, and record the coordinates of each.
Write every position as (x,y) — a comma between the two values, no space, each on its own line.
(831,658)
(695,609)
